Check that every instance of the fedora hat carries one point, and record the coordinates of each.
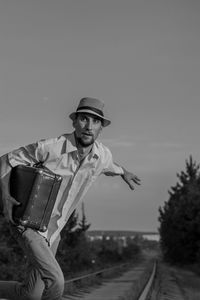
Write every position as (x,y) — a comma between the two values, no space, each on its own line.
(91,106)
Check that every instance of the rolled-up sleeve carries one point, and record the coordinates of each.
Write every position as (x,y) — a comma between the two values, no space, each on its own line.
(4,165)
(27,155)
(111,168)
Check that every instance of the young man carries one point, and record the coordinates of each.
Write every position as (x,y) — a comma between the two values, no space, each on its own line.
(79,158)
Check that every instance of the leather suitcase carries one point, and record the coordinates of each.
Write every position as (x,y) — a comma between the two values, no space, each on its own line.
(36,189)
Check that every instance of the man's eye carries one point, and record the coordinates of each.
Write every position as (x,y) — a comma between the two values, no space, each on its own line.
(83,118)
(96,121)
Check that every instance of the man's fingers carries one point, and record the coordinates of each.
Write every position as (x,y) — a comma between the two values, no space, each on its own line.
(138,181)
(9,210)
(131,179)
(15,202)
(131,186)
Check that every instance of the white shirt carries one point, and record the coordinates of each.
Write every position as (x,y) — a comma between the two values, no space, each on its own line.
(60,155)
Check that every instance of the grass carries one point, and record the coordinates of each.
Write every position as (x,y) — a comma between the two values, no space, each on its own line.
(189,283)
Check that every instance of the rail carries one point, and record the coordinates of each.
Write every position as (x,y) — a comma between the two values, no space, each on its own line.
(93,277)
(95,273)
(148,287)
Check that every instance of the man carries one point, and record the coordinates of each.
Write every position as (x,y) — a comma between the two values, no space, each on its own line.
(79,158)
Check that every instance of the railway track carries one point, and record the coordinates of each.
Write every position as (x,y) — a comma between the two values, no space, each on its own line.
(148,280)
(133,283)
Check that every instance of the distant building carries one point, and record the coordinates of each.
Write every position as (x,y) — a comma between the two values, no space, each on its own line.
(122,235)
(151,237)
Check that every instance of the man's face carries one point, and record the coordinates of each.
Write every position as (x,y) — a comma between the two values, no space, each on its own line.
(87,128)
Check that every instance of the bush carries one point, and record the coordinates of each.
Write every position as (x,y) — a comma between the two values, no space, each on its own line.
(12,259)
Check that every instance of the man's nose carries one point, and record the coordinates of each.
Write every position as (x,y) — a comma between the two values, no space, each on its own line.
(89,124)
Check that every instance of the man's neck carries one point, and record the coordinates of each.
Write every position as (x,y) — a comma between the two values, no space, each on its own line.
(83,151)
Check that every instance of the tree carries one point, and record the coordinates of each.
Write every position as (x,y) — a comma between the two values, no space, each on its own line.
(83,225)
(180,217)
(74,252)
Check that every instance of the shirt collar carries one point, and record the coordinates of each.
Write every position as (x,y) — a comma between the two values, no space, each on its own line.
(71,146)
(70,143)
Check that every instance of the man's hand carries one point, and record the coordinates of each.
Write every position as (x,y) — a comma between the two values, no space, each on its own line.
(130,179)
(7,200)
(9,203)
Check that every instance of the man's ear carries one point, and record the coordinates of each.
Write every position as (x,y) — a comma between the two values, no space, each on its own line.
(100,130)
(74,122)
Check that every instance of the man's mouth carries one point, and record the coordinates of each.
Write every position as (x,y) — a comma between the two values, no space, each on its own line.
(87,134)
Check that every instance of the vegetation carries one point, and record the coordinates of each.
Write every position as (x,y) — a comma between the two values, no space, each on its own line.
(180,218)
(76,253)
(10,255)
(189,283)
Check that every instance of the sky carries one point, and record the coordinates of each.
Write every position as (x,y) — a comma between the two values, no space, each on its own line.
(141,57)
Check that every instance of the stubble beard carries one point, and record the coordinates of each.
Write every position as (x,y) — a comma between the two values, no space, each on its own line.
(83,143)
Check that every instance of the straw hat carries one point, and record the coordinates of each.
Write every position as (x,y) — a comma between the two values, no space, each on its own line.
(91,106)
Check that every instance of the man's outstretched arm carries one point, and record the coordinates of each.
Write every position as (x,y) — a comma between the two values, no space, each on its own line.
(112,169)
(130,178)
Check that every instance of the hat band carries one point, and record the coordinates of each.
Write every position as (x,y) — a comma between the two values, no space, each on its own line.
(96,110)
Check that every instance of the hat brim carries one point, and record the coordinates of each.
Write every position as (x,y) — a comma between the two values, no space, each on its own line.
(105,122)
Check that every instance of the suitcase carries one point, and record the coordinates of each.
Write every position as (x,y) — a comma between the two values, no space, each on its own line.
(36,189)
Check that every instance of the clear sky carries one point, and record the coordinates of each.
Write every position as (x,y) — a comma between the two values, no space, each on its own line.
(142,57)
